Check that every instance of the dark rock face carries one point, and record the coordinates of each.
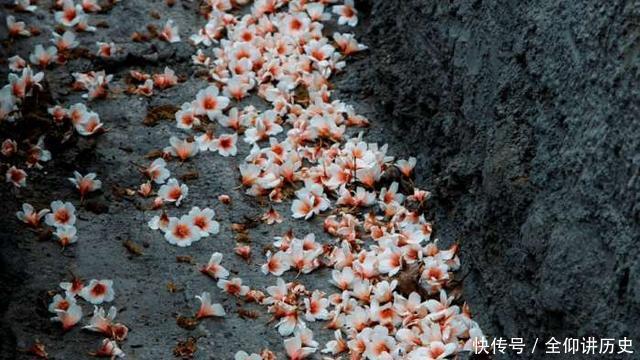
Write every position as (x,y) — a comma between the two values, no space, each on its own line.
(524,118)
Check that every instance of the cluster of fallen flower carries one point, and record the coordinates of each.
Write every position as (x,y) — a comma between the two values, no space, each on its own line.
(279,50)
(69,313)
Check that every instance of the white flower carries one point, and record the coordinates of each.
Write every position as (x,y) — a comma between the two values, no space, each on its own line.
(182,232)
(172,191)
(98,291)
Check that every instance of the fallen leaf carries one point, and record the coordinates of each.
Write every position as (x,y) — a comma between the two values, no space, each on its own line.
(132,247)
(248,314)
(190,175)
(186,348)
(185,259)
(157,113)
(172,287)
(187,322)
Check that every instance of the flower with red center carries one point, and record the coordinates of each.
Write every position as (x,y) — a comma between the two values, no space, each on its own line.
(186,117)
(74,287)
(17,28)
(233,287)
(29,216)
(310,200)
(347,12)
(182,149)
(295,350)
(157,171)
(42,57)
(145,89)
(9,147)
(58,113)
(244,251)
(213,267)
(68,317)
(342,279)
(103,322)
(62,303)
(237,88)
(98,291)
(207,309)
(203,220)
(319,51)
(225,144)
(390,261)
(89,125)
(109,348)
(225,199)
(435,350)
(66,235)
(182,232)
(62,214)
(106,50)
(17,177)
(209,103)
(406,166)
(65,42)
(380,344)
(347,44)
(165,80)
(170,32)
(70,14)
(90,6)
(271,217)
(277,263)
(173,191)
(316,307)
(85,184)
(434,275)
(159,222)
(295,25)
(145,189)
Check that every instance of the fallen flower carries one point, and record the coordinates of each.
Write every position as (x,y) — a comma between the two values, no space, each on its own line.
(182,232)
(183,149)
(233,287)
(165,80)
(68,317)
(203,220)
(108,348)
(17,28)
(17,177)
(106,50)
(9,147)
(98,291)
(62,303)
(207,309)
(214,269)
(157,171)
(85,184)
(244,251)
(170,32)
(172,191)
(294,349)
(225,199)
(29,216)
(271,216)
(66,235)
(62,214)
(226,144)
